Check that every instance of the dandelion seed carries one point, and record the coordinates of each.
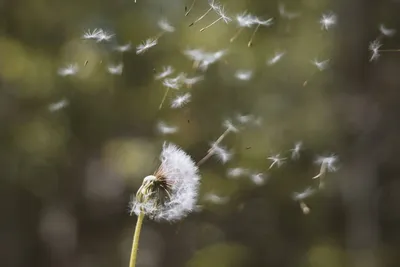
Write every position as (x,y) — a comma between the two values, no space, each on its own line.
(104,36)
(181,100)
(92,35)
(237,172)
(328,20)
(258,178)
(230,127)
(244,20)
(276,160)
(213,6)
(222,16)
(58,105)
(300,197)
(244,119)
(215,199)
(116,69)
(221,153)
(327,165)
(190,8)
(171,193)
(189,82)
(374,47)
(321,65)
(244,75)
(278,56)
(146,45)
(386,31)
(123,48)
(168,70)
(296,150)
(68,70)
(164,128)
(165,26)
(286,14)
(259,23)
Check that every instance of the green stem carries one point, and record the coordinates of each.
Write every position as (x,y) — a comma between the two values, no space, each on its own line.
(136,237)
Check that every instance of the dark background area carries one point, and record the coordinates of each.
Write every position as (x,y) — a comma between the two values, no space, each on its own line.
(67,176)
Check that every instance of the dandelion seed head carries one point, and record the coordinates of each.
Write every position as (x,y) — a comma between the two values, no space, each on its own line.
(321,65)
(171,193)
(296,150)
(298,196)
(228,124)
(123,48)
(266,23)
(221,153)
(276,160)
(328,161)
(58,105)
(237,172)
(245,20)
(258,178)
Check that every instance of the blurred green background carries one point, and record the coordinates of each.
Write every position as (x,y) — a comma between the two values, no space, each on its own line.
(67,174)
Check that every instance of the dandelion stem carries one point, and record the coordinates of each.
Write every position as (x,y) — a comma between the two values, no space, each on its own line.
(212,23)
(201,17)
(136,236)
(252,36)
(190,8)
(236,35)
(211,150)
(164,97)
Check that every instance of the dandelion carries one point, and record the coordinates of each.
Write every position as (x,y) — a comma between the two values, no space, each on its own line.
(278,56)
(244,75)
(172,83)
(116,69)
(276,160)
(123,48)
(168,70)
(164,128)
(181,100)
(259,23)
(223,154)
(69,70)
(222,16)
(170,194)
(300,197)
(58,105)
(146,45)
(296,150)
(328,20)
(104,36)
(327,165)
(386,31)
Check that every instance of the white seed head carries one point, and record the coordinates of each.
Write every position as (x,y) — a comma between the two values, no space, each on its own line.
(297,196)
(327,162)
(228,124)
(237,172)
(276,160)
(223,154)
(258,178)
(321,65)
(296,150)
(123,48)
(171,193)
(374,47)
(245,20)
